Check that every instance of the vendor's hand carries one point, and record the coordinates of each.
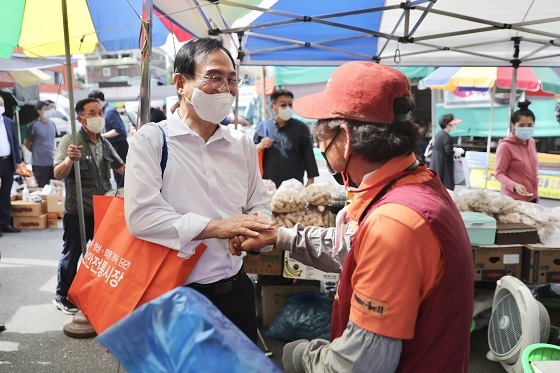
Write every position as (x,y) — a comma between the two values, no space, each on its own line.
(235,245)
(310,181)
(265,143)
(265,238)
(292,358)
(74,151)
(241,225)
(521,190)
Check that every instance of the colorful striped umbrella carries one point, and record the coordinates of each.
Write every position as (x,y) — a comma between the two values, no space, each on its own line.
(529,79)
(24,78)
(36,26)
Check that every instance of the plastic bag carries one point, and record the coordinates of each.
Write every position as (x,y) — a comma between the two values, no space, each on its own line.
(319,194)
(182,331)
(290,197)
(304,316)
(270,188)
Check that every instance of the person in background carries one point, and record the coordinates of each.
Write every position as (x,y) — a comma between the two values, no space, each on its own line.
(230,119)
(442,153)
(40,142)
(517,167)
(156,115)
(211,189)
(115,130)
(401,247)
(10,160)
(96,157)
(55,113)
(287,143)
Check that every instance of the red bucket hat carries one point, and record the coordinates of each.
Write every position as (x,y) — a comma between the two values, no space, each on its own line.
(358,90)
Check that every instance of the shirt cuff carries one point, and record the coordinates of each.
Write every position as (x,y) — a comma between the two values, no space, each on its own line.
(188,227)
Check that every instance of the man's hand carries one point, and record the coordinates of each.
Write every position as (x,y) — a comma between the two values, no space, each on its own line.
(521,190)
(241,225)
(265,143)
(74,151)
(265,238)
(310,181)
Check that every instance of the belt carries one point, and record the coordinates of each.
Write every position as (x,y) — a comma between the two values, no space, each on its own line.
(221,287)
(6,157)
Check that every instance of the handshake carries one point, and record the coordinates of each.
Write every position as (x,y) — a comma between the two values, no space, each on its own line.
(245,232)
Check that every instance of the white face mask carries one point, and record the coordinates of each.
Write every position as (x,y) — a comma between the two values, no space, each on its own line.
(95,124)
(2,110)
(48,113)
(210,107)
(524,133)
(285,113)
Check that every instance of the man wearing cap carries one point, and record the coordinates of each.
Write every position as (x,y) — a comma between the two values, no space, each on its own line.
(442,155)
(406,277)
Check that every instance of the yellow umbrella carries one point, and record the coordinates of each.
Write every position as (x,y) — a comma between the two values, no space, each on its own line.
(30,77)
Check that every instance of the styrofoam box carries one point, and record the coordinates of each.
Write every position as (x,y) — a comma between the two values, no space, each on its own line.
(480,227)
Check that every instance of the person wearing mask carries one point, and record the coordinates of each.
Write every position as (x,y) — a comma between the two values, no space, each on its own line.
(40,142)
(287,143)
(10,160)
(211,189)
(442,153)
(401,247)
(95,156)
(115,130)
(517,167)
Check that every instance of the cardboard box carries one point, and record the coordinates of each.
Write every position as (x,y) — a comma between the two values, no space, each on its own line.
(495,261)
(269,263)
(516,234)
(21,208)
(541,264)
(294,269)
(274,297)
(54,219)
(55,203)
(31,222)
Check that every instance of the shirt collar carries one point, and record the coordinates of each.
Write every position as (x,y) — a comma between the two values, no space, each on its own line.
(382,176)
(176,127)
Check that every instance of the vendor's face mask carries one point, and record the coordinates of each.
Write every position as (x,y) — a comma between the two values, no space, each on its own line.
(342,177)
(524,133)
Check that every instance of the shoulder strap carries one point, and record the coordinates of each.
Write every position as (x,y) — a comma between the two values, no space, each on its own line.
(163,162)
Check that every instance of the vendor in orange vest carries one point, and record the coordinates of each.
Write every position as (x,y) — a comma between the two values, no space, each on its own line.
(401,247)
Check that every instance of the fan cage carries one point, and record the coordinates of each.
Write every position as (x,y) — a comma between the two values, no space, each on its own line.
(503,341)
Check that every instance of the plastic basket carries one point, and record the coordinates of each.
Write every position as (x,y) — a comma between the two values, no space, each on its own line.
(539,352)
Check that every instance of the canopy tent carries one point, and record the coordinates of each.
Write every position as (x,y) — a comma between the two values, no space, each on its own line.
(24,78)
(394,32)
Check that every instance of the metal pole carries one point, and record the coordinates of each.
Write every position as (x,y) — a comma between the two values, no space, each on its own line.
(264,103)
(146,48)
(70,82)
(512,91)
(492,97)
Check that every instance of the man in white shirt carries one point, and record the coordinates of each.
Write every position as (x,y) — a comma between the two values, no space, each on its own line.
(211,189)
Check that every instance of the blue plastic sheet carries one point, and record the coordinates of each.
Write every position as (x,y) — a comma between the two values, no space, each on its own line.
(182,331)
(303,316)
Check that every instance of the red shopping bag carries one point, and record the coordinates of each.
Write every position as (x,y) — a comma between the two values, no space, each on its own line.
(120,272)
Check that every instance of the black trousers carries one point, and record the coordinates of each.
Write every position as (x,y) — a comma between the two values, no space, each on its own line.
(121,147)
(43,175)
(71,251)
(238,305)
(7,175)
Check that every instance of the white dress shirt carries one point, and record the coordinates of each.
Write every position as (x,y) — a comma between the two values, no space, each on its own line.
(5,148)
(216,179)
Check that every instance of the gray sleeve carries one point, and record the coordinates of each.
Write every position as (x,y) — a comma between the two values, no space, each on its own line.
(312,246)
(61,149)
(357,350)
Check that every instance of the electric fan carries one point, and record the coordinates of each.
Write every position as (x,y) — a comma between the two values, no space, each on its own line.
(518,320)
